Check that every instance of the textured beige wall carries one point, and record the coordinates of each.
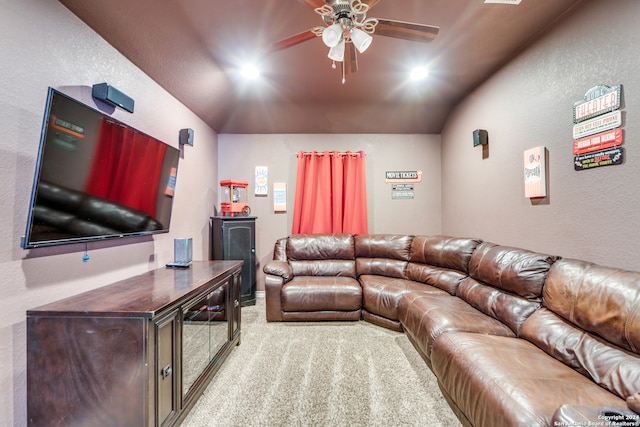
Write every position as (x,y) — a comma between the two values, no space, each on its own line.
(591,214)
(240,154)
(43,44)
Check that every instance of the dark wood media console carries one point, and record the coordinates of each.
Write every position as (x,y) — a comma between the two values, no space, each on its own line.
(139,352)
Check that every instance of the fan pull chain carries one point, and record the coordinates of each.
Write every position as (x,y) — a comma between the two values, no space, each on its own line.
(344,78)
(86,257)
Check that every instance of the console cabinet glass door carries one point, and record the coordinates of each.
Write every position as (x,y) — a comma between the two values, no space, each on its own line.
(235,306)
(204,333)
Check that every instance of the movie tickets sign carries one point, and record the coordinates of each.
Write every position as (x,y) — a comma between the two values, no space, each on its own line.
(596,136)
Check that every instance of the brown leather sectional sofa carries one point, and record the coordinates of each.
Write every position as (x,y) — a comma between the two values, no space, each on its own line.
(515,338)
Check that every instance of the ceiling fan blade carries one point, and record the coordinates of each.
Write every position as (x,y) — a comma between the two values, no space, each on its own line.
(406,30)
(350,62)
(313,3)
(293,40)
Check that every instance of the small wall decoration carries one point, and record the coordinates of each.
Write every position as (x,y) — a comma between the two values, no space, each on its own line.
(403,176)
(597,101)
(535,179)
(402,191)
(262,180)
(615,156)
(599,124)
(596,119)
(600,141)
(279,197)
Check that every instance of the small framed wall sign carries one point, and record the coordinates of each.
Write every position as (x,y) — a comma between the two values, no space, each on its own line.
(279,197)
(261,180)
(535,174)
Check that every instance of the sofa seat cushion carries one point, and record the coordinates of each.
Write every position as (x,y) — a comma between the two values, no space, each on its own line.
(321,293)
(502,381)
(381,295)
(426,316)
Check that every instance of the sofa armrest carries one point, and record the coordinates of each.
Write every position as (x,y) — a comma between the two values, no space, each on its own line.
(279,268)
(277,273)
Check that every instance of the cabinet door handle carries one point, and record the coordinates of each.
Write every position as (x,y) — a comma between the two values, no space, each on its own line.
(166,371)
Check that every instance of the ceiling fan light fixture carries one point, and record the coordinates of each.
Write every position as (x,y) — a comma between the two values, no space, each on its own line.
(336,53)
(332,35)
(361,40)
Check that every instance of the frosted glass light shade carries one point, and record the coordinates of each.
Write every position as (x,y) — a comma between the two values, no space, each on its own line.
(332,35)
(360,39)
(336,53)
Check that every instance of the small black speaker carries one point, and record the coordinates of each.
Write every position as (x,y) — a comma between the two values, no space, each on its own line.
(186,137)
(480,137)
(113,96)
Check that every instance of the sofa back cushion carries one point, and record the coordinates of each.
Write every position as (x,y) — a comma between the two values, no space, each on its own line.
(591,322)
(440,261)
(321,255)
(382,254)
(505,283)
(517,271)
(602,300)
(443,251)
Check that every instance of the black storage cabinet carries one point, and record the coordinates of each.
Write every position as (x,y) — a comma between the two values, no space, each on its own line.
(234,238)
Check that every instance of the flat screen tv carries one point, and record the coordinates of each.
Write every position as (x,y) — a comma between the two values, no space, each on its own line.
(97,178)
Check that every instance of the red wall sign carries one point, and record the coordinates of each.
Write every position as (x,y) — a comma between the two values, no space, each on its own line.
(601,141)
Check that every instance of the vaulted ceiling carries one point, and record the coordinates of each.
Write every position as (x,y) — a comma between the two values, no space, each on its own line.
(194,49)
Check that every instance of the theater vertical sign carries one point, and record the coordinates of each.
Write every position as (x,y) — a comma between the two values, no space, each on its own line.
(597,138)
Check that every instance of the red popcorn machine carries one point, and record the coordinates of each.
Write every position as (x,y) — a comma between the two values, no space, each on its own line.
(236,193)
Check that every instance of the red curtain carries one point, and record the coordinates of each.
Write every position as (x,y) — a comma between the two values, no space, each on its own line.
(331,194)
(126,167)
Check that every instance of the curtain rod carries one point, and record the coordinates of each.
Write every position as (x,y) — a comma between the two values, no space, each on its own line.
(331,153)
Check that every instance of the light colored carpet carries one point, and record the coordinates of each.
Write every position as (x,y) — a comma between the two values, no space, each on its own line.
(321,374)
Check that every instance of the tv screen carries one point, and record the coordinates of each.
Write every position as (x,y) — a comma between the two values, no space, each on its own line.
(97,178)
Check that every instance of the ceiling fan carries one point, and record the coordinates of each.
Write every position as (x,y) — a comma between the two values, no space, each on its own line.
(347,30)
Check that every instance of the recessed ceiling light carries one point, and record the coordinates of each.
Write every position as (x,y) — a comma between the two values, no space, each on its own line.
(250,72)
(419,73)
